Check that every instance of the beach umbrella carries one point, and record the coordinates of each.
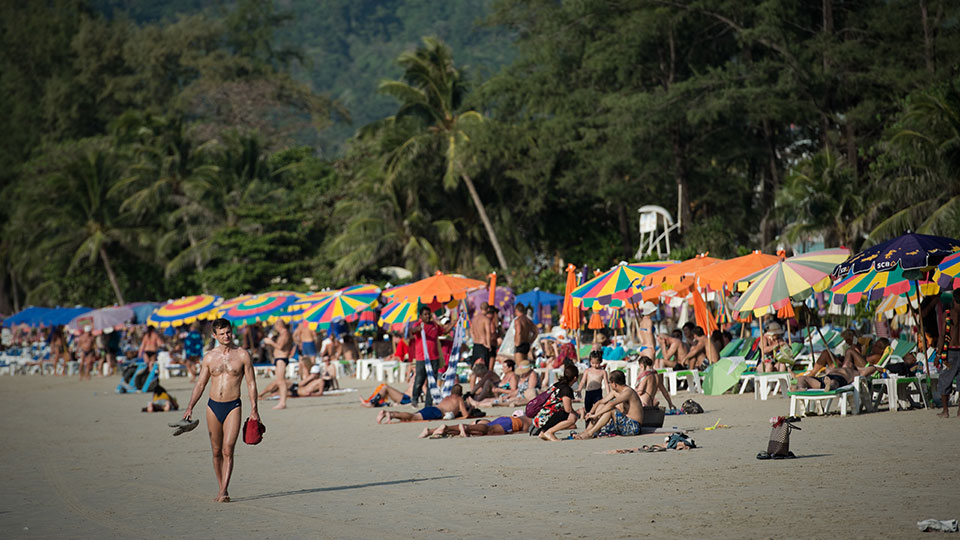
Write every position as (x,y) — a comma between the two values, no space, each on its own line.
(948,272)
(439,287)
(571,315)
(258,308)
(672,275)
(897,304)
(309,300)
(596,323)
(875,285)
(31,316)
(341,305)
(616,284)
(722,275)
(503,299)
(538,299)
(101,319)
(185,310)
(794,279)
(492,293)
(142,310)
(398,313)
(721,376)
(227,304)
(907,252)
(702,313)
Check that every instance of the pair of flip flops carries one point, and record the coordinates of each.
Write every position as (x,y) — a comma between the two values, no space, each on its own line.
(767,455)
(183,425)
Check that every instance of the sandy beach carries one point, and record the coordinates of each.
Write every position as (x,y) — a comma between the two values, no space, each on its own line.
(80,461)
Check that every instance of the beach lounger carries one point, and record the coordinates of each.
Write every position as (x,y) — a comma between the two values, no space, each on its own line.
(672,379)
(847,396)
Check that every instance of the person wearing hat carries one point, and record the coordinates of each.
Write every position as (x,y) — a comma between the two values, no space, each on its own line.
(770,341)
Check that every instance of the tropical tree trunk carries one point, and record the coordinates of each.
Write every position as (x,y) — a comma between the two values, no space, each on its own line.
(486,221)
(110,274)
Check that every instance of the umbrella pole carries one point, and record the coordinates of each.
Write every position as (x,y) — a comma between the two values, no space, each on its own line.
(922,337)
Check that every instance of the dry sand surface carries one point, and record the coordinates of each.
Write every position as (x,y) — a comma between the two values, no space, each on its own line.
(79,461)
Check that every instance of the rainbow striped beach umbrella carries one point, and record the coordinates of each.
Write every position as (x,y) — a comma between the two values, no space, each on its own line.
(397,313)
(875,285)
(265,307)
(948,271)
(615,286)
(341,305)
(185,310)
(772,289)
(310,300)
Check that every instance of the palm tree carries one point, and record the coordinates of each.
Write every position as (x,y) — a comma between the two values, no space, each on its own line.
(820,198)
(923,192)
(77,215)
(431,94)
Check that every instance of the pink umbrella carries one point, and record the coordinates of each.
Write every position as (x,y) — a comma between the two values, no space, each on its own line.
(101,319)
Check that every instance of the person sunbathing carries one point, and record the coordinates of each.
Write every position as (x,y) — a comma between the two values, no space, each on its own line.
(608,419)
(649,382)
(852,355)
(452,404)
(835,377)
(384,395)
(504,425)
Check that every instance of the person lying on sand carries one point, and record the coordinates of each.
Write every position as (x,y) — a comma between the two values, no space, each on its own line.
(503,425)
(453,404)
(384,395)
(608,419)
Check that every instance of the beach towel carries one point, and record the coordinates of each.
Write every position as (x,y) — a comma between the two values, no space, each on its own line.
(459,331)
(431,378)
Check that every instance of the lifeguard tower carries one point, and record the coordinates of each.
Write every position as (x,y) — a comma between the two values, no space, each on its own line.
(656,224)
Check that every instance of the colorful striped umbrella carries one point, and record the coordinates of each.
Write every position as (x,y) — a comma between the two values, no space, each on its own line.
(894,305)
(185,310)
(948,272)
(310,300)
(227,304)
(618,283)
(908,252)
(398,313)
(265,307)
(795,278)
(875,285)
(344,303)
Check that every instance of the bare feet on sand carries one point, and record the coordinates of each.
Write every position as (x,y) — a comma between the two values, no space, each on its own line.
(280,406)
(424,434)
(222,498)
(383,415)
(944,414)
(548,436)
(365,403)
(463,431)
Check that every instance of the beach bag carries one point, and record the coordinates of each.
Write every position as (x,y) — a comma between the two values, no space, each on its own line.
(253,431)
(779,444)
(691,407)
(534,405)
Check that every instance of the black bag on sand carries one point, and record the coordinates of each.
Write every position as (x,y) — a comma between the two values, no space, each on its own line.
(653,417)
(691,407)
(779,445)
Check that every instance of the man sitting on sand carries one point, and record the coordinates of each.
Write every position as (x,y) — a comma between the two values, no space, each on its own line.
(485,382)
(504,425)
(608,420)
(452,404)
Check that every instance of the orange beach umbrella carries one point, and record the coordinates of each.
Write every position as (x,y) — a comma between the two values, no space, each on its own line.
(439,287)
(672,275)
(571,315)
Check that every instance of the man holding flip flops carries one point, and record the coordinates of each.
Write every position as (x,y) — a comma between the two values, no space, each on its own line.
(227,365)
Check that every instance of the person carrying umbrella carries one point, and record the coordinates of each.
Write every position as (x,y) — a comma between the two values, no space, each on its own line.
(426,348)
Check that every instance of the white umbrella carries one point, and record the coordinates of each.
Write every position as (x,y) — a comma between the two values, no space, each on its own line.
(101,319)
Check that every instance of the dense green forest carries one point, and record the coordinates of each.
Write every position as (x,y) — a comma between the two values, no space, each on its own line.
(154,149)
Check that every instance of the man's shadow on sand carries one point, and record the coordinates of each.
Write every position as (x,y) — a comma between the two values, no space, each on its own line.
(339,488)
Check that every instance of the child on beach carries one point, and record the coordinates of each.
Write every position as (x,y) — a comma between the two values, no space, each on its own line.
(593,380)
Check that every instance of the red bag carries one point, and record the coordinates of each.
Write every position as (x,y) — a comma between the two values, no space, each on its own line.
(253,431)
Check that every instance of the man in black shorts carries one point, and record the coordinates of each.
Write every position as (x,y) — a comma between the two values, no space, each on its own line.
(480,333)
(524,332)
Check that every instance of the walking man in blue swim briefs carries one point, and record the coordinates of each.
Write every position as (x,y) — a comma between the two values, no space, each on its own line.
(226,365)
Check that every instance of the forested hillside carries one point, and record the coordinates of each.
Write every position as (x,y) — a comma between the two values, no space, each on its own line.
(177,147)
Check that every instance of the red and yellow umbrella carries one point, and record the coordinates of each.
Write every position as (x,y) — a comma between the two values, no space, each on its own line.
(185,310)
(875,285)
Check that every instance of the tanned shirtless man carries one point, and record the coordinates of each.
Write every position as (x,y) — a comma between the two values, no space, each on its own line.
(149,346)
(88,353)
(451,404)
(227,365)
(608,419)
(524,333)
(282,343)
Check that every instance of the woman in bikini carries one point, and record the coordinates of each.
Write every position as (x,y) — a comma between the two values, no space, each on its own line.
(648,383)
(505,392)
